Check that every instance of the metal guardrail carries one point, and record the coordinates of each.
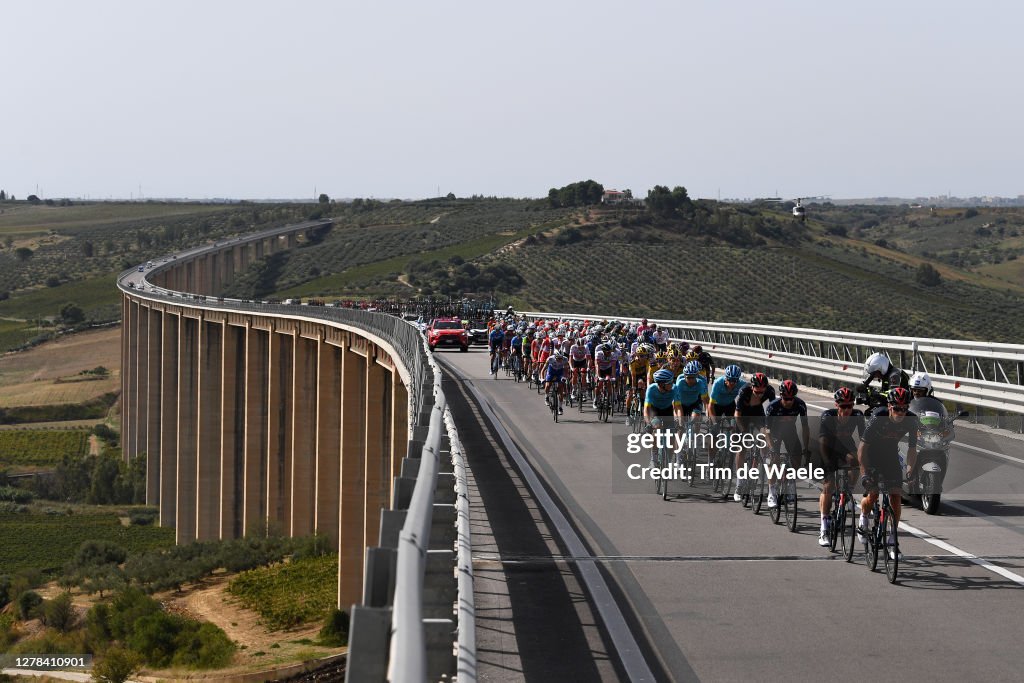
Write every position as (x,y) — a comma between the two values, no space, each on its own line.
(985,374)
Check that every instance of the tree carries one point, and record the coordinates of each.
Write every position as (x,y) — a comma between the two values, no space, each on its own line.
(32,199)
(324,199)
(60,614)
(23,254)
(116,665)
(3,195)
(927,275)
(72,313)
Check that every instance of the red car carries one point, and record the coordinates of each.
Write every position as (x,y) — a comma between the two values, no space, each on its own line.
(447,332)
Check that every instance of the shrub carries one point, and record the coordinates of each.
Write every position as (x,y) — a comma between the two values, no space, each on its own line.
(94,553)
(116,665)
(335,630)
(28,605)
(60,614)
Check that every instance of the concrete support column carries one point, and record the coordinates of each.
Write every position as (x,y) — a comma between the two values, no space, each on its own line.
(190,276)
(254,508)
(399,445)
(292,240)
(129,400)
(167,474)
(216,263)
(188,429)
(377,434)
(303,432)
(232,436)
(140,415)
(126,407)
(279,397)
(154,405)
(328,442)
(352,513)
(208,440)
(258,246)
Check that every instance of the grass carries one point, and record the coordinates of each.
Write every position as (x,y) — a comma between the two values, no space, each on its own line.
(41,448)
(48,541)
(22,219)
(286,595)
(16,333)
(51,373)
(89,294)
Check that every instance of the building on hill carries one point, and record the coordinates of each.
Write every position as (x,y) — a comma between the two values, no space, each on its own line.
(614,197)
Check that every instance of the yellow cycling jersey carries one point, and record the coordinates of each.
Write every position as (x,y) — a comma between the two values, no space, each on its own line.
(638,367)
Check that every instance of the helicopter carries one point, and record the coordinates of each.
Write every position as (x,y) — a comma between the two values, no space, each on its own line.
(798,210)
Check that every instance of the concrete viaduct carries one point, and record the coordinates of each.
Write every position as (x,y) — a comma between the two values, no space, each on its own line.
(257,418)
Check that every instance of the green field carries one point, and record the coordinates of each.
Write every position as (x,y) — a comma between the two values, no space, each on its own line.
(22,218)
(41,447)
(47,542)
(286,595)
(90,295)
(14,334)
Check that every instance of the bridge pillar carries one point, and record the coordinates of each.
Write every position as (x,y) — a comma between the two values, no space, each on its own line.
(154,403)
(303,433)
(279,412)
(378,461)
(352,510)
(216,260)
(292,240)
(257,355)
(140,416)
(166,479)
(328,442)
(232,436)
(188,429)
(208,443)
(129,402)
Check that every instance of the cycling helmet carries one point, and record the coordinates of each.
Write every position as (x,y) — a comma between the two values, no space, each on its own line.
(561,332)
(920,380)
(691,355)
(758,379)
(876,362)
(788,389)
(661,357)
(844,395)
(697,349)
(644,350)
(899,397)
(692,369)
(510,328)
(733,372)
(662,376)
(606,347)
(557,353)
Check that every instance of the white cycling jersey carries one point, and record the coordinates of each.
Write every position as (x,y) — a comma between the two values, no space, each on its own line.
(578,352)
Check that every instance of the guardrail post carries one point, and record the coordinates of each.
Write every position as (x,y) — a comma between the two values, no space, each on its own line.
(369,635)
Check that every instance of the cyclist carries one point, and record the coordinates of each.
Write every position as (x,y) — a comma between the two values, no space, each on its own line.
(657,362)
(606,364)
(555,366)
(516,349)
(495,342)
(579,361)
(660,337)
(783,414)
(878,453)
(660,399)
(706,362)
(837,448)
(639,361)
(675,363)
(691,391)
(750,414)
(920,385)
(878,366)
(722,398)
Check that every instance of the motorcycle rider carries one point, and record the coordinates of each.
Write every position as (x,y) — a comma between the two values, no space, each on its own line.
(878,366)
(921,385)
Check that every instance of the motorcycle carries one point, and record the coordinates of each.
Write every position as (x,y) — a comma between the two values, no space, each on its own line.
(935,433)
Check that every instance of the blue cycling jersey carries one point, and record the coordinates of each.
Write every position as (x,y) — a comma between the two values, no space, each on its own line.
(687,395)
(496,337)
(657,398)
(723,395)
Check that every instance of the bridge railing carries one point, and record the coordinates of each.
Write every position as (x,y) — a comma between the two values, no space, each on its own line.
(984,374)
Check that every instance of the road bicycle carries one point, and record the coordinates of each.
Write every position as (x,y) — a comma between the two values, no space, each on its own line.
(786,498)
(883,534)
(723,457)
(842,520)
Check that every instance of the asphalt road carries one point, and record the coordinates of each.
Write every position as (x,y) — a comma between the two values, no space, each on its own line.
(713,592)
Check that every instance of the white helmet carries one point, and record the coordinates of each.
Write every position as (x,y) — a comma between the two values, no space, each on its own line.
(921,380)
(876,362)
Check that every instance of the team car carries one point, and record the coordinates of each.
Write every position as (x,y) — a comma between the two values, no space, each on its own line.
(447,332)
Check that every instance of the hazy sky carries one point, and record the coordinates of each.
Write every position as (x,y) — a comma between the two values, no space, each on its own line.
(736,98)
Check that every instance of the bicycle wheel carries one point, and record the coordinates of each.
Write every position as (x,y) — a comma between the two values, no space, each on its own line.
(892,550)
(871,556)
(664,484)
(849,530)
(775,513)
(791,499)
(836,520)
(656,459)
(758,495)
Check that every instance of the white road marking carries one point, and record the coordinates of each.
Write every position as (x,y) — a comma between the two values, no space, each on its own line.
(980,561)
